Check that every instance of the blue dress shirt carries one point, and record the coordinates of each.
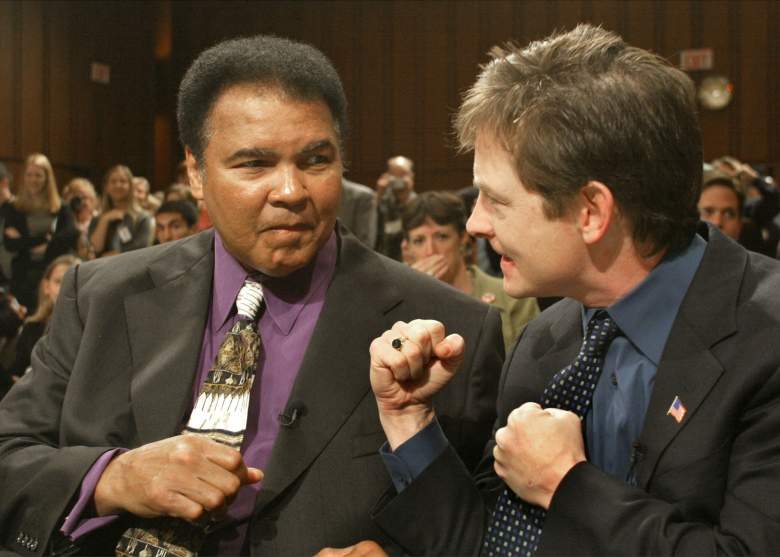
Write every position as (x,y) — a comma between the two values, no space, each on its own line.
(645,316)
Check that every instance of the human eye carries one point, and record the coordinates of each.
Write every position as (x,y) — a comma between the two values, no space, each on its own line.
(730,214)
(255,163)
(316,160)
(418,240)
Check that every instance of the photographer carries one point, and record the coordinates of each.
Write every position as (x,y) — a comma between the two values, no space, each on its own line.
(80,195)
(394,189)
(761,204)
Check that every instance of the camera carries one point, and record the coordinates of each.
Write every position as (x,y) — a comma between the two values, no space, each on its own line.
(76,203)
(395,185)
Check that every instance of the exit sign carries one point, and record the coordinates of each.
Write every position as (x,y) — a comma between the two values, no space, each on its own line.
(100,73)
(697,59)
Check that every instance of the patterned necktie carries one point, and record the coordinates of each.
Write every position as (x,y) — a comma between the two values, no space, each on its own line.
(220,413)
(516,526)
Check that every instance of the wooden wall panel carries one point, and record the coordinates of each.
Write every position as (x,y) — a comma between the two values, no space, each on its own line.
(60,147)
(32,78)
(9,86)
(432,76)
(716,135)
(640,23)
(606,13)
(404,64)
(378,84)
(752,100)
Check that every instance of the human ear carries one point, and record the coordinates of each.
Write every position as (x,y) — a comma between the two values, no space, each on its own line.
(194,174)
(596,211)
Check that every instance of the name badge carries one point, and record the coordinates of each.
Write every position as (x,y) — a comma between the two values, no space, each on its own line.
(124,234)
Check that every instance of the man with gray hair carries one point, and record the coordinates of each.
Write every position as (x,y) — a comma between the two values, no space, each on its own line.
(638,416)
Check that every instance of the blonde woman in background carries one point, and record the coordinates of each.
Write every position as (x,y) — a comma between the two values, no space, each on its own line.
(35,326)
(38,228)
(123,225)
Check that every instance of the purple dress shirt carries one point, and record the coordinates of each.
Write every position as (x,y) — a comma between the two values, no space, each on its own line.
(293,306)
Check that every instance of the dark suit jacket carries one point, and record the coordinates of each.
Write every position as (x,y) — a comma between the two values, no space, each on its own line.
(358,211)
(118,367)
(709,485)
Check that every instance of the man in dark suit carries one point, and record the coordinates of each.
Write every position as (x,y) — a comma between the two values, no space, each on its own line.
(654,433)
(90,439)
(357,210)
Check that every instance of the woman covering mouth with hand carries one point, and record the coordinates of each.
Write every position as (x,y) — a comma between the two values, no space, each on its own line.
(436,243)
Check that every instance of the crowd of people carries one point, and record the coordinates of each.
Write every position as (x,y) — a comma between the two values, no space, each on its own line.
(358,371)
(46,230)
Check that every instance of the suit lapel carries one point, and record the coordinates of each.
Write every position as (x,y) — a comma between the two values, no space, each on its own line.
(560,347)
(165,326)
(333,377)
(688,369)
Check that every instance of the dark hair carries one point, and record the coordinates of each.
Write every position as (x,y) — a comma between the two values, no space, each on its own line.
(718,178)
(184,208)
(441,207)
(584,105)
(299,70)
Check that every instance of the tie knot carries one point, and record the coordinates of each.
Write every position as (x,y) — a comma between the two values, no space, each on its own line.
(249,299)
(602,329)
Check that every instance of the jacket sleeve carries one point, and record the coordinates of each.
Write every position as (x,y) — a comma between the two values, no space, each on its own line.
(65,236)
(39,476)
(445,510)
(17,220)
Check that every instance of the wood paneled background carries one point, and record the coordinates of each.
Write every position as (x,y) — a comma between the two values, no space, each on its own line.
(404,64)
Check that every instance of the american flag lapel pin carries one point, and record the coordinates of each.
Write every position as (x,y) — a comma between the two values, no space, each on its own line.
(677,410)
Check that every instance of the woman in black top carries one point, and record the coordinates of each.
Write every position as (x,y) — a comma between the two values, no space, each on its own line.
(38,228)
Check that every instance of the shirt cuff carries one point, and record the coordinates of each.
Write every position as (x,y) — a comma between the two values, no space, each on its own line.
(409,460)
(75,526)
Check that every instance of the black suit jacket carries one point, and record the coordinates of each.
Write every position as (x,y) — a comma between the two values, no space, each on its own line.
(709,485)
(118,367)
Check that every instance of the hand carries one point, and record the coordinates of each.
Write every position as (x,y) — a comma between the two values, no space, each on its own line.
(40,249)
(433,265)
(536,449)
(382,183)
(404,380)
(365,548)
(184,476)
(112,215)
(12,233)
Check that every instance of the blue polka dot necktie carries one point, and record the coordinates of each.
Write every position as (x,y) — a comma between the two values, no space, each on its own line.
(516,526)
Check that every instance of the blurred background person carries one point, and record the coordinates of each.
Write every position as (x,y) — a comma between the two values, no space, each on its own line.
(81,196)
(175,220)
(6,196)
(720,203)
(394,189)
(179,192)
(123,225)
(141,189)
(436,243)
(35,326)
(760,204)
(38,228)
(5,185)
(357,210)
